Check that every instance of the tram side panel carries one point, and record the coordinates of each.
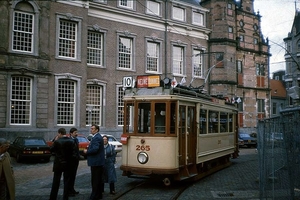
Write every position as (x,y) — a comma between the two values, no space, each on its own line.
(211,146)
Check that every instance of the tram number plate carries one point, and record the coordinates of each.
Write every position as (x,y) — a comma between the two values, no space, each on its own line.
(142,147)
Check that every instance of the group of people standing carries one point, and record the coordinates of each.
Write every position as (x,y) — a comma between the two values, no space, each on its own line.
(101,158)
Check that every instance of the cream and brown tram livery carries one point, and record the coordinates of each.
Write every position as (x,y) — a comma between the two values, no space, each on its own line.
(174,133)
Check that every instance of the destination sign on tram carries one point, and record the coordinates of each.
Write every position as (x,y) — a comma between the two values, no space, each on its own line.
(148,81)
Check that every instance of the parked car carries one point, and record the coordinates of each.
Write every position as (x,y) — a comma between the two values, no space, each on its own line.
(248,140)
(82,140)
(111,140)
(241,142)
(30,148)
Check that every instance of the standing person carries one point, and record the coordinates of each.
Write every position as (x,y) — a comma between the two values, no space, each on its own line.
(64,149)
(7,180)
(109,175)
(95,159)
(75,163)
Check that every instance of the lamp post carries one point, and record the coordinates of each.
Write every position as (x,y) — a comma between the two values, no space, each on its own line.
(90,110)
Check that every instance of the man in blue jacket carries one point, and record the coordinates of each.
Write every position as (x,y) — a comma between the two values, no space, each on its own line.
(96,160)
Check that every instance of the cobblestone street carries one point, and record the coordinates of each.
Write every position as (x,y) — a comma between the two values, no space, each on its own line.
(239,181)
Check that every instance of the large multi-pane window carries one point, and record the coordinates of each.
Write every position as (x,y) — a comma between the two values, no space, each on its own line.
(125,53)
(120,105)
(23,31)
(178,13)
(20,100)
(153,57)
(198,18)
(94,106)
(197,63)
(95,48)
(66,96)
(67,39)
(126,3)
(178,64)
(153,8)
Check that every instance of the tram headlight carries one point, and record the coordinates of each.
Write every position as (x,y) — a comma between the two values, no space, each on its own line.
(142,157)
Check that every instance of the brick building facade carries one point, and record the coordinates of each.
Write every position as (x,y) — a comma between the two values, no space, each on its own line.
(62,62)
(244,73)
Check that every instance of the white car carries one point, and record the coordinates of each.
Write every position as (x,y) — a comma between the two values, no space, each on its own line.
(111,140)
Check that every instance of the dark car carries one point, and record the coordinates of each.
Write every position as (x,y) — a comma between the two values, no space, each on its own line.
(30,148)
(248,140)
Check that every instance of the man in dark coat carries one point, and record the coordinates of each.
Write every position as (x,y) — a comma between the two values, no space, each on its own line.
(75,163)
(64,149)
(96,160)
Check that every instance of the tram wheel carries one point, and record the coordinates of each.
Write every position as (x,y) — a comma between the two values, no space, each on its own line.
(167,181)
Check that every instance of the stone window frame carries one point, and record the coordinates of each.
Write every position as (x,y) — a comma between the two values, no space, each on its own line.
(77,80)
(35,39)
(73,19)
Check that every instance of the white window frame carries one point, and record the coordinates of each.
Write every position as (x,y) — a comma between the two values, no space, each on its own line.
(25,40)
(178,13)
(178,60)
(77,41)
(153,54)
(123,54)
(34,28)
(76,96)
(128,2)
(198,18)
(120,105)
(198,63)
(95,103)
(97,49)
(18,100)
(153,8)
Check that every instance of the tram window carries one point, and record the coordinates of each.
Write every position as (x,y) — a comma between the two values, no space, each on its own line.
(160,118)
(173,118)
(203,121)
(144,112)
(129,117)
(230,122)
(213,122)
(223,122)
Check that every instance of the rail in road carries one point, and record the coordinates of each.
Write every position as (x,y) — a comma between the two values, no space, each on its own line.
(239,181)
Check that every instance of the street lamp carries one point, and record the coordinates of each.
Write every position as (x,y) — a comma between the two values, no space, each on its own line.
(90,109)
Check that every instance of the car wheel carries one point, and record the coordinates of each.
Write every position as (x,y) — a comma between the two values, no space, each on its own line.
(18,157)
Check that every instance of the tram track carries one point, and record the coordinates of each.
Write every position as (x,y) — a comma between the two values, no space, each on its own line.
(149,189)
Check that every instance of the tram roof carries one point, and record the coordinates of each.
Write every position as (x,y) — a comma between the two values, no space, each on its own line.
(152,87)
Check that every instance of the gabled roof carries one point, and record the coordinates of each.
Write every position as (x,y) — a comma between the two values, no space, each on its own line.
(277,89)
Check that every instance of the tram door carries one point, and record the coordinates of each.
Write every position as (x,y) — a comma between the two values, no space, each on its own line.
(187,135)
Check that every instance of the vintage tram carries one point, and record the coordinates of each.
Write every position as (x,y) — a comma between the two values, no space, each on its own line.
(175,133)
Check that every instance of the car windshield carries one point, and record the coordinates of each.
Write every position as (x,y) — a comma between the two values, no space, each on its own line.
(111,139)
(31,142)
(244,135)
